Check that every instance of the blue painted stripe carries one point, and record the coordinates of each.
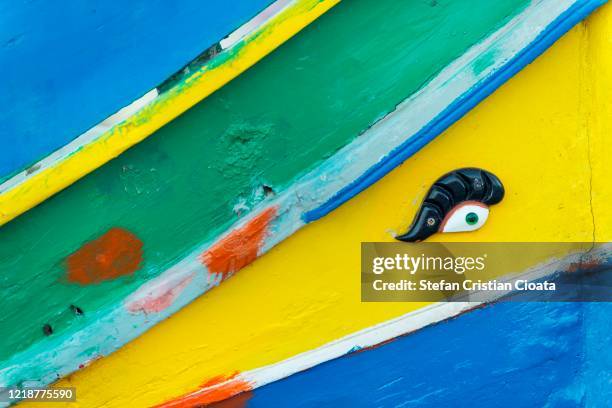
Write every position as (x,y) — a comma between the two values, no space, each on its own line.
(66,66)
(509,354)
(504,355)
(460,107)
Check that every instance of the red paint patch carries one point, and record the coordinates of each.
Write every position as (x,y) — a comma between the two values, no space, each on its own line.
(214,390)
(158,301)
(114,254)
(240,247)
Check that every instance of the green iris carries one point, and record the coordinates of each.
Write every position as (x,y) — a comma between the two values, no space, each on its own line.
(471,218)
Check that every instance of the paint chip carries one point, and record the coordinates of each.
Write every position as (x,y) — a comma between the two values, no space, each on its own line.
(76,310)
(267,190)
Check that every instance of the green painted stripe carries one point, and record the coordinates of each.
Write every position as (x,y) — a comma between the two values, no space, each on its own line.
(180,187)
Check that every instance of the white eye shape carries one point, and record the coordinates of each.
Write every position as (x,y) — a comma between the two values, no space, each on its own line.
(467,216)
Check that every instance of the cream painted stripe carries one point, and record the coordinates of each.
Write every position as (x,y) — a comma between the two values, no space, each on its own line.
(402,325)
(132,124)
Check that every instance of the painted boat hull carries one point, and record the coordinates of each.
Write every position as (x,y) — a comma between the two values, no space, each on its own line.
(242,332)
(119,169)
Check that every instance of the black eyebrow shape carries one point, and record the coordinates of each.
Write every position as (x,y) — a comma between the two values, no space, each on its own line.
(468,184)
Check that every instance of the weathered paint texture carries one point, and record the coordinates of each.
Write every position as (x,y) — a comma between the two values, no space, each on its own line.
(504,355)
(66,68)
(537,206)
(269,29)
(240,247)
(184,185)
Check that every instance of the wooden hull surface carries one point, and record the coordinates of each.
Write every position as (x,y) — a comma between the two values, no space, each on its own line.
(314,301)
(165,201)
(181,188)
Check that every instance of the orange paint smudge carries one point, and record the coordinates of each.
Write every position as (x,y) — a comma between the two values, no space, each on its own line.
(116,253)
(240,247)
(159,300)
(214,390)
(219,379)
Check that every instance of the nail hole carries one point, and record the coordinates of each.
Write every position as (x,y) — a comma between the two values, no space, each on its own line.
(76,310)
(47,329)
(268,191)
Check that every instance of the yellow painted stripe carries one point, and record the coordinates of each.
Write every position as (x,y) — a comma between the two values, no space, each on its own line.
(533,133)
(168,106)
(597,75)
